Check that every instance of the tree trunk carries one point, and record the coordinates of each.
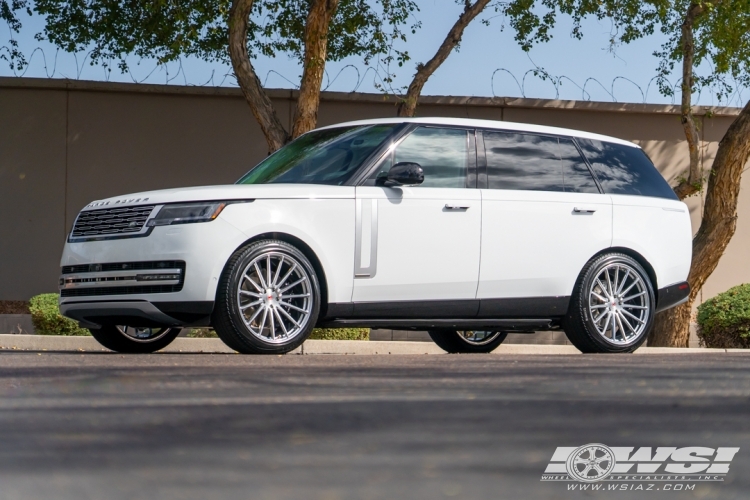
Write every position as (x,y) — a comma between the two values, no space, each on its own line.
(256,97)
(316,47)
(693,183)
(717,228)
(408,106)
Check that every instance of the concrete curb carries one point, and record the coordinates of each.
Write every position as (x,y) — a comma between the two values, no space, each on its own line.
(215,346)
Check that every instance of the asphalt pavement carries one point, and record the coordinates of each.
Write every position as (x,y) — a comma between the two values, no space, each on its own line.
(110,426)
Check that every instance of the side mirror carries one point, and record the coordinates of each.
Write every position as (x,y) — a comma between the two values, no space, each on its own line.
(406,174)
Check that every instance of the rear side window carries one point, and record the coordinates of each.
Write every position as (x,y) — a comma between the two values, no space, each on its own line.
(533,162)
(576,174)
(523,162)
(625,169)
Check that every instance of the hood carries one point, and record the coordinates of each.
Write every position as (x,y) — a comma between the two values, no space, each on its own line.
(226,192)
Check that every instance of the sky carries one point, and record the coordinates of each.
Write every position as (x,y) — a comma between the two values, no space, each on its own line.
(489,63)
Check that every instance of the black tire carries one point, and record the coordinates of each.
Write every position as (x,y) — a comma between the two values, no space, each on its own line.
(456,342)
(583,322)
(114,338)
(238,324)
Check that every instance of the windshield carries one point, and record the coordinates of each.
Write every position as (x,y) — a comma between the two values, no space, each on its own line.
(329,156)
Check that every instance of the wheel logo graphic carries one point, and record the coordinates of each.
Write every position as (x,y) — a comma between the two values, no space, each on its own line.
(590,463)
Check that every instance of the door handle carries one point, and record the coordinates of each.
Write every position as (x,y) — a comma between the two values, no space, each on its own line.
(583,210)
(448,206)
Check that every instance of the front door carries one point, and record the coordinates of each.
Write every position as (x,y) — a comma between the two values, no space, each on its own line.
(543,219)
(417,247)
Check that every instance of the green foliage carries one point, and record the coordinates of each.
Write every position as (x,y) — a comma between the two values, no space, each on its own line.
(202,333)
(724,321)
(167,30)
(340,334)
(318,333)
(721,34)
(47,320)
(9,10)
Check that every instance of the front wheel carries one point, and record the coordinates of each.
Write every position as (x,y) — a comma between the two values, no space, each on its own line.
(268,299)
(467,341)
(612,307)
(132,340)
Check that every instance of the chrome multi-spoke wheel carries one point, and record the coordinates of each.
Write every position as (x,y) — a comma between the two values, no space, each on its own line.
(476,337)
(467,341)
(619,303)
(143,334)
(268,299)
(130,339)
(274,297)
(612,306)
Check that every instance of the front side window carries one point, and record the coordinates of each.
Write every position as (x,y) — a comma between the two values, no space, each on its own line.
(623,169)
(329,156)
(443,154)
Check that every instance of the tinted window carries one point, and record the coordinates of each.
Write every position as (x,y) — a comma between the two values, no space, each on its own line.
(625,169)
(442,153)
(576,174)
(523,161)
(329,156)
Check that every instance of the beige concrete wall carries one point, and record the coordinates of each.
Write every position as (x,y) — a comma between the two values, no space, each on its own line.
(65,143)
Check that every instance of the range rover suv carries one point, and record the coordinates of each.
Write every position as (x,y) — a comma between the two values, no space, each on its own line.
(468,229)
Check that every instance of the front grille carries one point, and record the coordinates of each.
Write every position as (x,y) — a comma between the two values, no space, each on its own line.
(120,290)
(123,266)
(111,221)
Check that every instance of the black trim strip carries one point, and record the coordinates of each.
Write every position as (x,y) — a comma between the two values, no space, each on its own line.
(672,295)
(186,312)
(508,325)
(524,307)
(495,309)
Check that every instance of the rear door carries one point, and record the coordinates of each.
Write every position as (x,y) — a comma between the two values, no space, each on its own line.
(417,247)
(543,218)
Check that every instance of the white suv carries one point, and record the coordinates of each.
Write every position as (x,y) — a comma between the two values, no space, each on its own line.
(466,228)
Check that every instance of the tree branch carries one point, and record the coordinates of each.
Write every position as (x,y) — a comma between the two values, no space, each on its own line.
(717,228)
(408,105)
(316,46)
(693,183)
(260,104)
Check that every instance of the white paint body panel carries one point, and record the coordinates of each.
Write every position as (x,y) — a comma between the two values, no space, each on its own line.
(321,216)
(659,230)
(424,251)
(535,245)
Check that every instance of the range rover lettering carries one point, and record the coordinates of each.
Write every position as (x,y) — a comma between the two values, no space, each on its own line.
(468,229)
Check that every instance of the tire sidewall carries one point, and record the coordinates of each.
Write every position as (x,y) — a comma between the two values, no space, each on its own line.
(113,339)
(234,275)
(601,344)
(451,342)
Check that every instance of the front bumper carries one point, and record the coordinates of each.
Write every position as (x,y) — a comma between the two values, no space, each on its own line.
(138,313)
(168,278)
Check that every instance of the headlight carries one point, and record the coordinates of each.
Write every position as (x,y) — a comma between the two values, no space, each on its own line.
(185,213)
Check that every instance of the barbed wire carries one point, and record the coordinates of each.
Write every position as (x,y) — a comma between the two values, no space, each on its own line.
(381,79)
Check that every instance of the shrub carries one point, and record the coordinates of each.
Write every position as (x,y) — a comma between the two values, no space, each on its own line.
(202,333)
(340,334)
(724,321)
(47,320)
(318,333)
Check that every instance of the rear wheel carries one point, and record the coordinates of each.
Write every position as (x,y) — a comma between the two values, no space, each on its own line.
(612,307)
(128,339)
(268,299)
(467,341)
